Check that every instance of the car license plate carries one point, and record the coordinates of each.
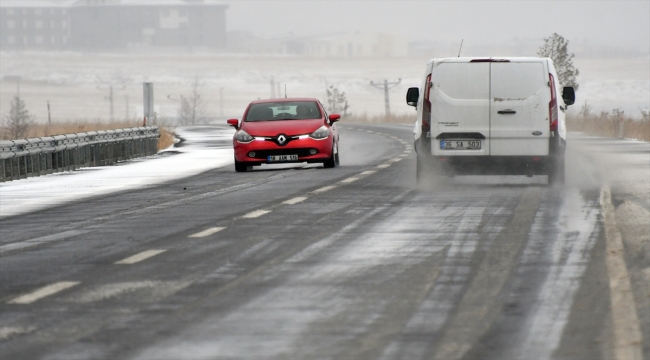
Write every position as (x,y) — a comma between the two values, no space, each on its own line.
(460,144)
(281,158)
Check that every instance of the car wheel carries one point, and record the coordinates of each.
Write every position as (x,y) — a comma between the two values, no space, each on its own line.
(556,172)
(240,167)
(332,161)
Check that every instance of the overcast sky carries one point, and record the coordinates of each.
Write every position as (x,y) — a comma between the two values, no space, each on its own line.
(623,24)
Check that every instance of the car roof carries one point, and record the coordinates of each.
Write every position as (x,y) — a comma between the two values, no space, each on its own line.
(281,100)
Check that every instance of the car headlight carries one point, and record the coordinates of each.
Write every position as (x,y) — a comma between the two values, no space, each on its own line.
(321,133)
(243,137)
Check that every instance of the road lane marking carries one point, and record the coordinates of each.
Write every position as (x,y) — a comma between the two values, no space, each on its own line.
(323,189)
(41,240)
(627,333)
(43,292)
(349,180)
(383,166)
(207,232)
(256,214)
(140,257)
(368,172)
(7,332)
(295,200)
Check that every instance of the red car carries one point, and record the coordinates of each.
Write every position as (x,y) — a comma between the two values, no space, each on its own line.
(285,131)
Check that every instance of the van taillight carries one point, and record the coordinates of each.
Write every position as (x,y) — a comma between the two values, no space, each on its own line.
(426,108)
(552,106)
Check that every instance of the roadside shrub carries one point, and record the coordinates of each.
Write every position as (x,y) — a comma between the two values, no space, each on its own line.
(84,125)
(610,124)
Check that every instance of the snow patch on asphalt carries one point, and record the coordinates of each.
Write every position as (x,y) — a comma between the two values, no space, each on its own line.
(203,149)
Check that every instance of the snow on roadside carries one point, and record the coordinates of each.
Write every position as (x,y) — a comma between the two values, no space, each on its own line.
(203,148)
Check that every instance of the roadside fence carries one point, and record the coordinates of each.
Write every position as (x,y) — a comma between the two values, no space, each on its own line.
(23,158)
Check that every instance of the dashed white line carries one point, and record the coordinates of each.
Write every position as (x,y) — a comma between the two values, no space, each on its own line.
(368,172)
(294,200)
(627,333)
(207,232)
(139,257)
(256,214)
(383,166)
(41,240)
(323,189)
(349,180)
(43,292)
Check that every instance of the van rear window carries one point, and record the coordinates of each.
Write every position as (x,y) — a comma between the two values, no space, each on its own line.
(463,80)
(517,81)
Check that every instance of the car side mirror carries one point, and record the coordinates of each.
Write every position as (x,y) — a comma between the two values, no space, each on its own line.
(412,96)
(234,123)
(334,118)
(569,95)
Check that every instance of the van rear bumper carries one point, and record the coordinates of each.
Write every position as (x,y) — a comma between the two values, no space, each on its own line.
(494,165)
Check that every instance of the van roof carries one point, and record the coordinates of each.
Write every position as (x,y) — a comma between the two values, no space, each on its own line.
(487,59)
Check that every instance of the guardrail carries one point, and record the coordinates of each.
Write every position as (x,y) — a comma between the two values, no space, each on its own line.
(23,158)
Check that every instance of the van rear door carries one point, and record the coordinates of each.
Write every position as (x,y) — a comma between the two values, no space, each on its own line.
(519,113)
(460,107)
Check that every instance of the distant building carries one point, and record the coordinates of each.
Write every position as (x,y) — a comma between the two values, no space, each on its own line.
(111,24)
(358,44)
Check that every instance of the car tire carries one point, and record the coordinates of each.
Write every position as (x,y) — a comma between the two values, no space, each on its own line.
(240,167)
(333,161)
(556,173)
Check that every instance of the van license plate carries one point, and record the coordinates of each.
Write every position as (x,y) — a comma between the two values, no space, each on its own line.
(281,158)
(460,144)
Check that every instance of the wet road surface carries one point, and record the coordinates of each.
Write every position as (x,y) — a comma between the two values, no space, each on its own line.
(354,262)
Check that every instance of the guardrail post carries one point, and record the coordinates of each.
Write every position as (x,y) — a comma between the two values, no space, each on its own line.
(4,170)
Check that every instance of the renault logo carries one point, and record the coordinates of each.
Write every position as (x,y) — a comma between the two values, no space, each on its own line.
(282,139)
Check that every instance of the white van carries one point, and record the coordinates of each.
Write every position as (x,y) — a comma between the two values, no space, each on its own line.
(490,116)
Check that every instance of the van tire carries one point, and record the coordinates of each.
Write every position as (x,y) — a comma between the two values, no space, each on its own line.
(557,172)
(428,175)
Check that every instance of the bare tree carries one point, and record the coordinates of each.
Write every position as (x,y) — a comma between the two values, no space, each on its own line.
(192,107)
(337,101)
(556,48)
(18,121)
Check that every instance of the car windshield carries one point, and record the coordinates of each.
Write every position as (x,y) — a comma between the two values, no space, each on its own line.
(297,110)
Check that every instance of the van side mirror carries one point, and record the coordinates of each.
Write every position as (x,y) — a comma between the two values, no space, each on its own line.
(234,123)
(569,95)
(412,96)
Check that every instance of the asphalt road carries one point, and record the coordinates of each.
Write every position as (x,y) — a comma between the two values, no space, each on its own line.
(354,262)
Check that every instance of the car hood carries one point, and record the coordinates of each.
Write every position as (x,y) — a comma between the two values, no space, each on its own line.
(287,127)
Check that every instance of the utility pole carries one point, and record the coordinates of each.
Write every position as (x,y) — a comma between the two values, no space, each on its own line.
(272,88)
(386,86)
(49,117)
(110,98)
(126,99)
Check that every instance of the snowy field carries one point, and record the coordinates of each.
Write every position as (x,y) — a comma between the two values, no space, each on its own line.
(199,155)
(77,84)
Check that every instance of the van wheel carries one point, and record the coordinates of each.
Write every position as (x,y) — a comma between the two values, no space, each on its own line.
(240,167)
(556,172)
(429,175)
